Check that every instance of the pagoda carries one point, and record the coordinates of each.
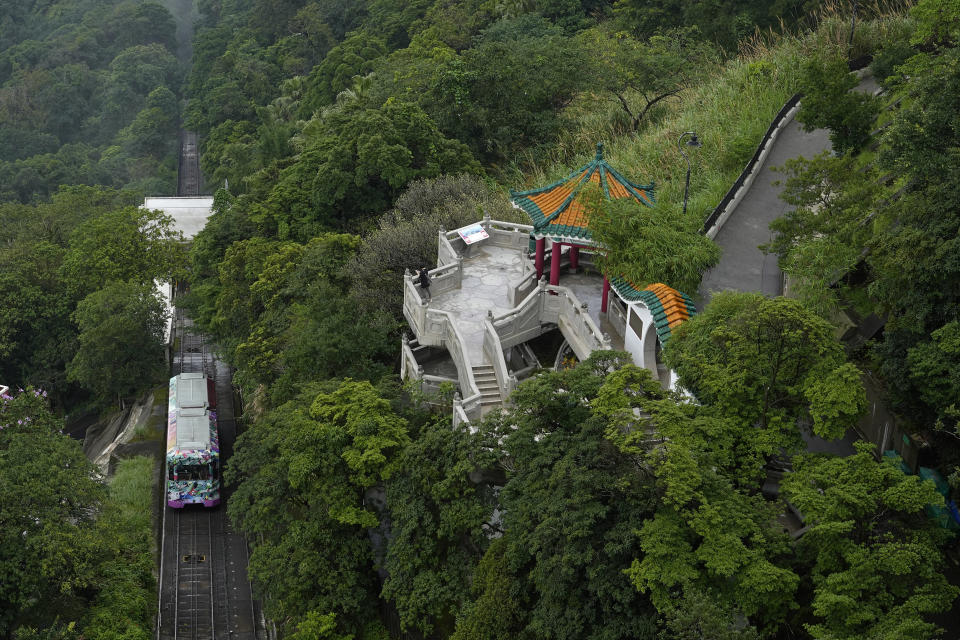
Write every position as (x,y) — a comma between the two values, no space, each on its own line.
(558,213)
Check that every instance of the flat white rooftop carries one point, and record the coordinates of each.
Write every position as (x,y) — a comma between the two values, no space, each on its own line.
(189,213)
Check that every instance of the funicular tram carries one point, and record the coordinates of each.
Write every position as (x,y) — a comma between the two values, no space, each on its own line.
(192,467)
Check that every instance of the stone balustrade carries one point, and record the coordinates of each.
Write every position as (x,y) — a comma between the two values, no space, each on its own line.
(574,321)
(493,351)
(551,304)
(434,327)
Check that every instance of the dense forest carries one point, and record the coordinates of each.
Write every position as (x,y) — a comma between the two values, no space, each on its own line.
(339,135)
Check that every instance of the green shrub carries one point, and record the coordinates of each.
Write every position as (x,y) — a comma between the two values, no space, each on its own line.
(124,605)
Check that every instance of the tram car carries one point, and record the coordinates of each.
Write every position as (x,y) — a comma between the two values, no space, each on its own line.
(193,442)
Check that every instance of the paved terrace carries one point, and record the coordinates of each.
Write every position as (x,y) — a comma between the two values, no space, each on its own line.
(488,274)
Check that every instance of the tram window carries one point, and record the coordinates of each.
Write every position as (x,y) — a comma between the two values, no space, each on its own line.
(191,472)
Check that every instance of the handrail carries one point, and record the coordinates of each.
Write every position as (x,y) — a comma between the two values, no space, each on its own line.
(493,349)
(581,324)
(517,234)
(409,367)
(457,347)
(449,277)
(413,308)
(586,335)
(511,226)
(421,316)
(521,287)
(459,413)
(445,251)
(442,270)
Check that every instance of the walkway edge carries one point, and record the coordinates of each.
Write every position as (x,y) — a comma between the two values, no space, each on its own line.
(740,188)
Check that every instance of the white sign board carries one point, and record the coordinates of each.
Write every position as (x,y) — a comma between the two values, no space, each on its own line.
(473,234)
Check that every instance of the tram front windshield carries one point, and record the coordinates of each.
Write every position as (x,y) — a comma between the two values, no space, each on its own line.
(193,471)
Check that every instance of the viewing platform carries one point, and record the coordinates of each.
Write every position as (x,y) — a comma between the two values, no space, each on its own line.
(491,299)
(486,304)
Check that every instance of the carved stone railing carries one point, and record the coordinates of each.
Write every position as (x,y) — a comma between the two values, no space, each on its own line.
(449,277)
(446,253)
(521,287)
(413,308)
(442,279)
(409,367)
(574,321)
(436,328)
(460,415)
(550,304)
(493,350)
(521,323)
(457,348)
(508,234)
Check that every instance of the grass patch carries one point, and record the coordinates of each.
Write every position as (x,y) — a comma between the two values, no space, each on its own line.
(126,599)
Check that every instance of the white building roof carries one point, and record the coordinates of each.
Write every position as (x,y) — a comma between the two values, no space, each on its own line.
(189,213)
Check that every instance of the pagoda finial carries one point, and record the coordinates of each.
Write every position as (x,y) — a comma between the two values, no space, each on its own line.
(599,151)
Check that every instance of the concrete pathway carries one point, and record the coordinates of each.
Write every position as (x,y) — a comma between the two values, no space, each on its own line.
(487,274)
(742,266)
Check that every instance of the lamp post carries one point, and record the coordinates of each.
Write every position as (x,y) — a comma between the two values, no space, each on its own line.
(853,25)
(694,141)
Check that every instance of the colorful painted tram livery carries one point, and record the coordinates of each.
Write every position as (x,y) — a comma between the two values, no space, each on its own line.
(193,442)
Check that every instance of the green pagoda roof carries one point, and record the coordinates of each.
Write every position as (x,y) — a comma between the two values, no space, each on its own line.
(556,210)
(668,306)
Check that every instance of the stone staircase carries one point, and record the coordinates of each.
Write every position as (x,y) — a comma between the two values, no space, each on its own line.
(490,398)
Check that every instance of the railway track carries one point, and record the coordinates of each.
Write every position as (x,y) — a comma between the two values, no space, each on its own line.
(204,593)
(188,173)
(194,605)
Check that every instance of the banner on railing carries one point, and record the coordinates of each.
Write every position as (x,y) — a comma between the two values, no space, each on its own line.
(473,234)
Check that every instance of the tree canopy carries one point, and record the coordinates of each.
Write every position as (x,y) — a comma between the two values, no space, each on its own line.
(770,364)
(874,553)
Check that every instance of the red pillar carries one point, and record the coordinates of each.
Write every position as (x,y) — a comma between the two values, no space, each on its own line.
(605,296)
(555,263)
(538,257)
(574,258)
